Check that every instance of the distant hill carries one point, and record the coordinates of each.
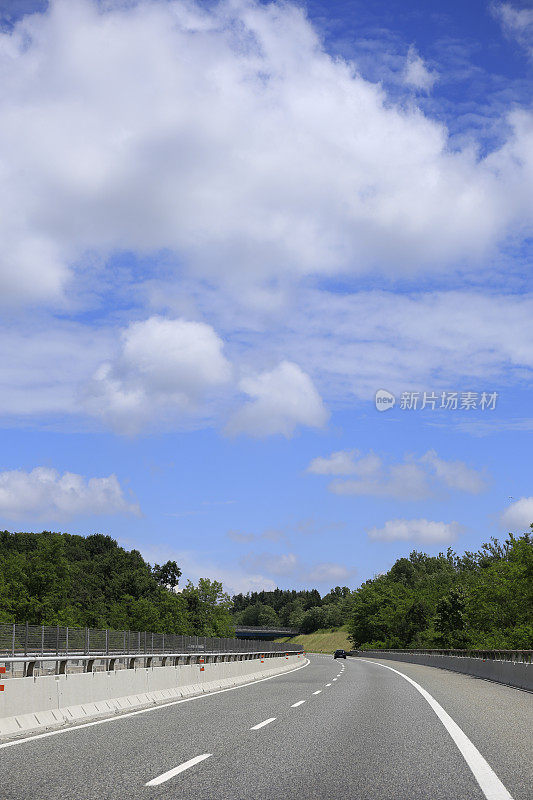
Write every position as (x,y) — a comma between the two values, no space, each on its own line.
(322,641)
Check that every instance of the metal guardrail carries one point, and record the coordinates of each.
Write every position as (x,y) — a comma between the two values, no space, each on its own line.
(517,656)
(32,665)
(45,640)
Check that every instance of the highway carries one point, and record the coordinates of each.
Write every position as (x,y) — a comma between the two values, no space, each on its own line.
(333,728)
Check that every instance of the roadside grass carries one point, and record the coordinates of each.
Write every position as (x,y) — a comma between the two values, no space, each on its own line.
(322,641)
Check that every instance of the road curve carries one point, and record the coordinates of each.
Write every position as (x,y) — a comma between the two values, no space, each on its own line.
(353,729)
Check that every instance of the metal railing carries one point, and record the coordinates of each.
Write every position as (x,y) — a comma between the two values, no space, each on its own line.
(519,656)
(46,640)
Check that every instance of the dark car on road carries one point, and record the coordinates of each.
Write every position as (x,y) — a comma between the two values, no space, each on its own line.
(339,654)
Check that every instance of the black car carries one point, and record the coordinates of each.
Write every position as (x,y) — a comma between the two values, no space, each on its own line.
(339,654)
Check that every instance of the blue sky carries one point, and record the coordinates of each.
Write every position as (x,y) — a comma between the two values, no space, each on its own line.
(224,228)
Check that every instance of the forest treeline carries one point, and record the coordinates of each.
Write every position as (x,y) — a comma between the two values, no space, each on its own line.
(61,579)
(481,599)
(305,610)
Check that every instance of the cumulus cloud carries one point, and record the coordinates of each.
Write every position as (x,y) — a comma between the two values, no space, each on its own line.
(280,400)
(455,474)
(416,530)
(225,136)
(283,564)
(289,565)
(350,344)
(416,74)
(45,494)
(329,573)
(165,367)
(339,463)
(401,481)
(413,479)
(519,515)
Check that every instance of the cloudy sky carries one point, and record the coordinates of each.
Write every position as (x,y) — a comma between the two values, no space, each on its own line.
(224,227)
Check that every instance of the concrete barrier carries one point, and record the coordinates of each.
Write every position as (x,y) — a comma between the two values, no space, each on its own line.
(513,673)
(33,704)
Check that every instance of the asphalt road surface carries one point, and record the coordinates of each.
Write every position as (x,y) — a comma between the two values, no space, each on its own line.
(332,729)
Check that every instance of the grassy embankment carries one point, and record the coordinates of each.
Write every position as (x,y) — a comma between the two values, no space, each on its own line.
(323,641)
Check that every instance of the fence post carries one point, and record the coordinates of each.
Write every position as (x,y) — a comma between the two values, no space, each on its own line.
(42,640)
(86,641)
(106,642)
(26,640)
(57,640)
(66,642)
(13,642)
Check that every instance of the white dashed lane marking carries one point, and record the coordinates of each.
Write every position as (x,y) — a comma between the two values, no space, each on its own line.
(166,776)
(262,724)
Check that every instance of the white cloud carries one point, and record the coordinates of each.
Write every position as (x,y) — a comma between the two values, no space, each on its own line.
(416,73)
(340,463)
(519,515)
(289,566)
(455,474)
(227,137)
(165,368)
(416,530)
(254,571)
(43,363)
(328,573)
(401,481)
(357,343)
(45,494)
(516,22)
(281,400)
(412,479)
(283,564)
(350,344)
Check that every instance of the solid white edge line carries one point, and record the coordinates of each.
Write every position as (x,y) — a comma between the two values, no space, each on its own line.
(299,703)
(488,781)
(262,724)
(166,776)
(128,714)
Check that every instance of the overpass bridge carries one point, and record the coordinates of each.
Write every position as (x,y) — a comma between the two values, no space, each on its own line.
(268,632)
